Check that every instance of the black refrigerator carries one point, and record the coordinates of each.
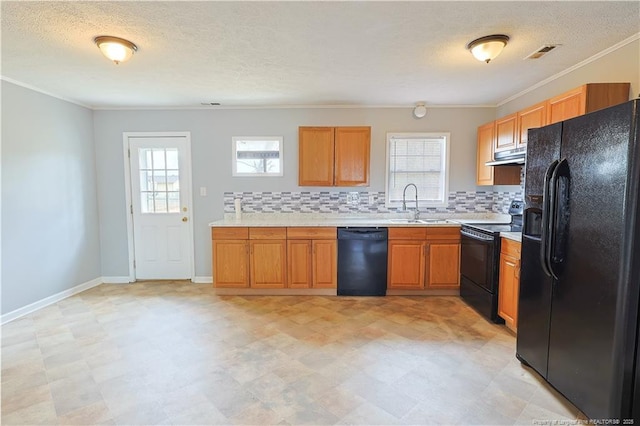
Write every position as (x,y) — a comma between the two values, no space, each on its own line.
(580,276)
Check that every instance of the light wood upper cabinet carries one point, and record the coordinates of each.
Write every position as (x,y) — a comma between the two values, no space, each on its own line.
(334,156)
(230,251)
(506,129)
(530,118)
(315,156)
(511,131)
(488,175)
(567,105)
(586,98)
(509,282)
(486,135)
(352,150)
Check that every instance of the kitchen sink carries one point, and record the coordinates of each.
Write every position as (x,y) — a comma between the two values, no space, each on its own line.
(419,221)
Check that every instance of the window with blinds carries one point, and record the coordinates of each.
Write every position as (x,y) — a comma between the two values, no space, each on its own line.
(421,159)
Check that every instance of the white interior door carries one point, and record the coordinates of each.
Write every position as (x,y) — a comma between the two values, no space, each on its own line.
(160,204)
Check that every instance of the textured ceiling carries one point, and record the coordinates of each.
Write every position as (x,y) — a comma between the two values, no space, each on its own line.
(300,53)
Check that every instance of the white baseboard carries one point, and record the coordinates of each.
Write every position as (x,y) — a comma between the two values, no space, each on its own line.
(116,280)
(203,280)
(25,310)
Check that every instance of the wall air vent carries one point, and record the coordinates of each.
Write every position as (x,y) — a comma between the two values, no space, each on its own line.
(542,51)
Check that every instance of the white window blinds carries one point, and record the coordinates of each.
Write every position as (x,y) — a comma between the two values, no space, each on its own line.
(421,159)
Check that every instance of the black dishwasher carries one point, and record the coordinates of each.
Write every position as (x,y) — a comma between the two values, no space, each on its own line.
(362,261)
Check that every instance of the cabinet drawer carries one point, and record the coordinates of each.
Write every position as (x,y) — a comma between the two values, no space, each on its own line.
(405,233)
(449,233)
(311,233)
(229,233)
(267,233)
(510,247)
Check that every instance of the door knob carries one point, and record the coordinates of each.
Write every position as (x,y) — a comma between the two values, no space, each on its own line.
(184,219)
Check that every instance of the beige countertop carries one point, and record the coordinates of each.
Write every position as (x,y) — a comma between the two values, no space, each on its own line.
(515,236)
(381,220)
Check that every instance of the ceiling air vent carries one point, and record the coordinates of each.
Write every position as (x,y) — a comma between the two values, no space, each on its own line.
(542,51)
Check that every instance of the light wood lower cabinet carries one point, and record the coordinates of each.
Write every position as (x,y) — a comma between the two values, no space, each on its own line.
(249,257)
(406,264)
(419,258)
(275,258)
(444,265)
(268,263)
(423,258)
(299,263)
(268,257)
(443,252)
(324,263)
(230,257)
(230,261)
(509,282)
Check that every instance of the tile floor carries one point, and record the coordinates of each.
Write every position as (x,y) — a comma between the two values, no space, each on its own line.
(175,353)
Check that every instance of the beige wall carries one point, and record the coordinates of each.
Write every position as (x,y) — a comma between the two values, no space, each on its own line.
(621,65)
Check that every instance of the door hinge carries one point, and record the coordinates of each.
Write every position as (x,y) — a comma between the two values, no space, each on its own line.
(129,153)
(131,208)
(134,263)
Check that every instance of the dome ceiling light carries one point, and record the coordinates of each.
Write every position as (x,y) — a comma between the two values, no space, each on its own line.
(420,110)
(487,48)
(115,49)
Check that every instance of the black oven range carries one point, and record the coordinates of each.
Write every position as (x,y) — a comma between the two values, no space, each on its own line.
(480,261)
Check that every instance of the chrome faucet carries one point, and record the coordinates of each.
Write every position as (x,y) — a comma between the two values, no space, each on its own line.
(416,215)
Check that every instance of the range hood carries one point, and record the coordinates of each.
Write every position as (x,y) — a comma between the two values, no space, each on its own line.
(507,158)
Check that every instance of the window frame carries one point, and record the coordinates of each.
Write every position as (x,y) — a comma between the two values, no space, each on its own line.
(234,164)
(446,164)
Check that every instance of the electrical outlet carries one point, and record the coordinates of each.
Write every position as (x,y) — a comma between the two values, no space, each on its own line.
(372,199)
(353,198)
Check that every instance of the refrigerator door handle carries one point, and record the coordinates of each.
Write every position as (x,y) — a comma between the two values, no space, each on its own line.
(559,213)
(546,210)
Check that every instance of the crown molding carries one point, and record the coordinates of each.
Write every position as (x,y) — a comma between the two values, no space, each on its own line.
(44,92)
(572,68)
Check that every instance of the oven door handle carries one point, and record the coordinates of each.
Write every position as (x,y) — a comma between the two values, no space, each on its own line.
(476,236)
(547,208)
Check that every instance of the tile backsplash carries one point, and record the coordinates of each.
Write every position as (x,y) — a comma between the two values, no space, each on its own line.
(366,202)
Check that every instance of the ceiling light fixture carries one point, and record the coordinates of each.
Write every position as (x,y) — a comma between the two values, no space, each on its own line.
(487,48)
(420,110)
(115,48)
